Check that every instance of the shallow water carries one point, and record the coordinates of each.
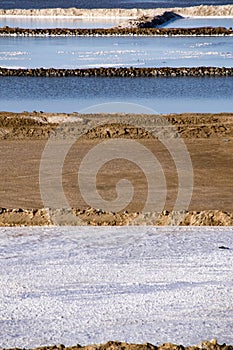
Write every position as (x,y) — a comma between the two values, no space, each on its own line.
(33,22)
(72,285)
(38,22)
(84,52)
(164,95)
(200,22)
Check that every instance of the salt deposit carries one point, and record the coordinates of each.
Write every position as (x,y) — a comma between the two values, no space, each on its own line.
(202,10)
(76,285)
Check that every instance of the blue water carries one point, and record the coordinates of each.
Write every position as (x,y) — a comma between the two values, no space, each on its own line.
(85,52)
(107,3)
(200,22)
(163,95)
(37,22)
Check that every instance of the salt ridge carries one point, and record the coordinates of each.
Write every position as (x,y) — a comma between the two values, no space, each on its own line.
(202,10)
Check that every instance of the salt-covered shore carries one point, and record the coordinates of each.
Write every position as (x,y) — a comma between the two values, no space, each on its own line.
(202,10)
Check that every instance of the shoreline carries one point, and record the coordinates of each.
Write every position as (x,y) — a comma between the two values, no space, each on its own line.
(93,18)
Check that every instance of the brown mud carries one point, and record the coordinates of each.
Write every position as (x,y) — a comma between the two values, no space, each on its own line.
(208,138)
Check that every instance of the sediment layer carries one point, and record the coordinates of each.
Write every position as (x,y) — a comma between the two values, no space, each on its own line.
(119,72)
(202,10)
(203,31)
(97,217)
(41,125)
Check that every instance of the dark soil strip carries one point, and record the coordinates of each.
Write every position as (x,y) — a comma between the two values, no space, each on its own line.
(119,72)
(203,31)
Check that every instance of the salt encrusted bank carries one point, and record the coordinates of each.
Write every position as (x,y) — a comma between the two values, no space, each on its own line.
(202,10)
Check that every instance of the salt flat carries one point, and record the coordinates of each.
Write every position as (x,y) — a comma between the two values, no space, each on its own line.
(85,285)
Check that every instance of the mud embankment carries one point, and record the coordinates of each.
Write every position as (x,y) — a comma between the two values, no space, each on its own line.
(120,72)
(41,125)
(98,217)
(203,31)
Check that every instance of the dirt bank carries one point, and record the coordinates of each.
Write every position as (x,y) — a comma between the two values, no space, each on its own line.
(202,10)
(120,72)
(190,126)
(93,217)
(116,345)
(144,30)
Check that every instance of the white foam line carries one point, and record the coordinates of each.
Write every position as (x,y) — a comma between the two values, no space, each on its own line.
(114,35)
(13,67)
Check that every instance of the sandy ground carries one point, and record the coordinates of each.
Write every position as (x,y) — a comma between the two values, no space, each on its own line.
(208,138)
(212,159)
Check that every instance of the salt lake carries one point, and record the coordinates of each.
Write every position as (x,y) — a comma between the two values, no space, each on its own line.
(163,95)
(59,22)
(105,22)
(84,52)
(193,22)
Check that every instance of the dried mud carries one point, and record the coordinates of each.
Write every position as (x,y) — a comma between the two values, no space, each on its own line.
(208,138)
